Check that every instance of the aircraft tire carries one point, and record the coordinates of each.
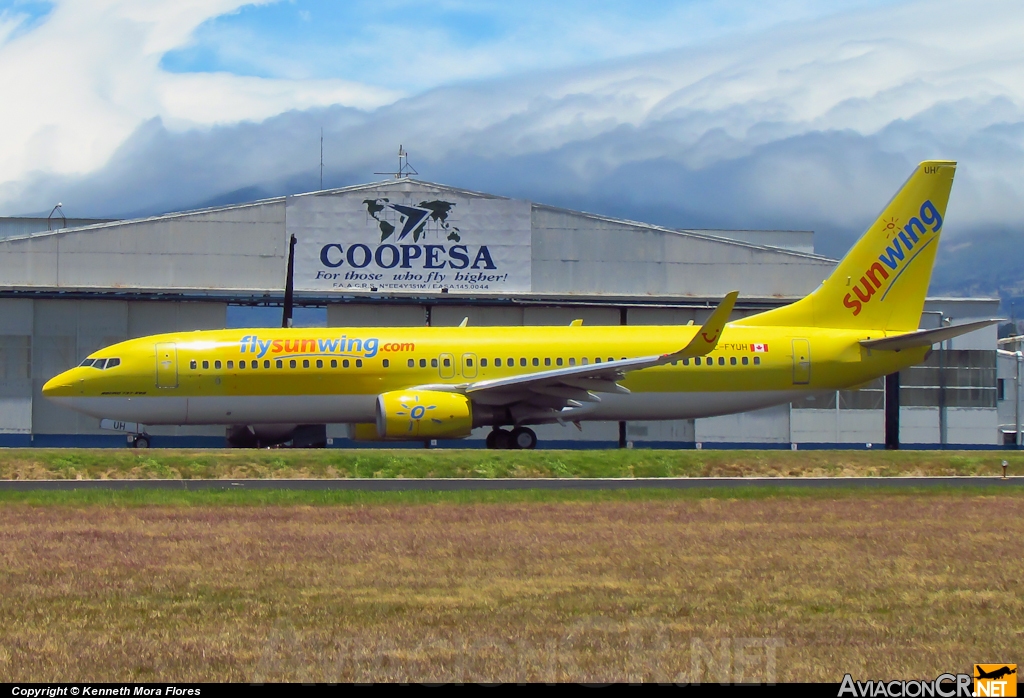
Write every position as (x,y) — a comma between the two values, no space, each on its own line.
(524,438)
(141,442)
(501,440)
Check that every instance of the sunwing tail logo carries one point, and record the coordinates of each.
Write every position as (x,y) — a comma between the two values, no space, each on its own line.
(903,245)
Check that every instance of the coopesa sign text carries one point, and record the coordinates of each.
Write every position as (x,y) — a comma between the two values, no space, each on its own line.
(359,256)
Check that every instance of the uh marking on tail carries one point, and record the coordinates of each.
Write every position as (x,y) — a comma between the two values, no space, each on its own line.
(914,235)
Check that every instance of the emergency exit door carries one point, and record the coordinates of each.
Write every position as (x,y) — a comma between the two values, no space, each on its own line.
(166,365)
(801,362)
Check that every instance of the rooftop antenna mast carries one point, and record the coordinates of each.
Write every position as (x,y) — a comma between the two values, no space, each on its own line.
(321,158)
(404,168)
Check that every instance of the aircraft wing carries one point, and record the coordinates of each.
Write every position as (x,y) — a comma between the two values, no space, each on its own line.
(544,395)
(924,338)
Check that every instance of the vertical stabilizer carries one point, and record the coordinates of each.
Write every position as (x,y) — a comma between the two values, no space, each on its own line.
(882,281)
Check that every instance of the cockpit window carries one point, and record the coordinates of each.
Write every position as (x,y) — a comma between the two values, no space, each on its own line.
(87,362)
(112,362)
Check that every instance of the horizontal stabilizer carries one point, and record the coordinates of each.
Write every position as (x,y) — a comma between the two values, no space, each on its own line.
(924,338)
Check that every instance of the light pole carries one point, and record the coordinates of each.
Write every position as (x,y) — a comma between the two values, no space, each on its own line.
(1016,397)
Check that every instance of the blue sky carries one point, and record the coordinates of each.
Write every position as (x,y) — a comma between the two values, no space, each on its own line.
(412,45)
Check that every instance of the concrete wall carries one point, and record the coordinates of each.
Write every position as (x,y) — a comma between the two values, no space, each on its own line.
(965,425)
(15,366)
(770,425)
(838,426)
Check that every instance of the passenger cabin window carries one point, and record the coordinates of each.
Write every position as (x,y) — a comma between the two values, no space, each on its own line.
(511,362)
(292,363)
(423,363)
(696,361)
(216,364)
(241,364)
(266,363)
(469,362)
(721,361)
(433,363)
(536,361)
(385,363)
(757,360)
(686,362)
(193,365)
(305,363)
(359,363)
(206,364)
(522,361)
(231,364)
(746,360)
(319,363)
(547,360)
(279,363)
(334,363)
(344,363)
(572,362)
(497,363)
(412,363)
(447,363)
(732,360)
(558,361)
(483,363)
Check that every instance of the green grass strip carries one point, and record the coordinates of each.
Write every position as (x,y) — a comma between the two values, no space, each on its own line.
(235,497)
(90,464)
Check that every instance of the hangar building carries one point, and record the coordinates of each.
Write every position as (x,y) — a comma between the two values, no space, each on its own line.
(409,252)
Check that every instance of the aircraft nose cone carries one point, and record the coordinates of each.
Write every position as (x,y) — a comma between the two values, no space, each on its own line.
(57,386)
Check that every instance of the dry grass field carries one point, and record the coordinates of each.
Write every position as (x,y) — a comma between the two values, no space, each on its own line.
(34,464)
(613,589)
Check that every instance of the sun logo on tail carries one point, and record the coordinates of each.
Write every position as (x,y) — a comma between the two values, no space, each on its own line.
(416,412)
(892,226)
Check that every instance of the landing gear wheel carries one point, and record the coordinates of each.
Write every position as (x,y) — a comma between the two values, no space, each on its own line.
(141,442)
(500,439)
(524,438)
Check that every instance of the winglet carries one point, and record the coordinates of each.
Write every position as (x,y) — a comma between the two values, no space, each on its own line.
(576,323)
(465,321)
(710,332)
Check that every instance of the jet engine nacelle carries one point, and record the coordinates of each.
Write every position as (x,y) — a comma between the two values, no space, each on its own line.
(423,414)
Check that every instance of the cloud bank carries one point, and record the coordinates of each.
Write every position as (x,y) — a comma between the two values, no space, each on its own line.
(808,125)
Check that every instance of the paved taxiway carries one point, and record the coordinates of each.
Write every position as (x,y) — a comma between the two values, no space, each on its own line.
(452,485)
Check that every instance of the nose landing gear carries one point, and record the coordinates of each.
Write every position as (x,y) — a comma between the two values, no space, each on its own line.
(518,438)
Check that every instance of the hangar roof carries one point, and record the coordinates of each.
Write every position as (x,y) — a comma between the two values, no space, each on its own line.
(240,252)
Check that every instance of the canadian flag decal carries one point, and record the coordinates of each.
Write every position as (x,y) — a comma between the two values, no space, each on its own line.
(759,347)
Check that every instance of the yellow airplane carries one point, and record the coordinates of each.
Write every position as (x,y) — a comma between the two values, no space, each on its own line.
(424,383)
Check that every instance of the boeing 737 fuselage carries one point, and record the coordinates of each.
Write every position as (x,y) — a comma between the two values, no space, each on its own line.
(405,383)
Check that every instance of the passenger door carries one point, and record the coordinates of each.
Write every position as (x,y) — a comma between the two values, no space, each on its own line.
(166,365)
(469,366)
(446,366)
(801,362)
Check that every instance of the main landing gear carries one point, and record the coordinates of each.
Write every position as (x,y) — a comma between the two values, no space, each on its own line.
(518,438)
